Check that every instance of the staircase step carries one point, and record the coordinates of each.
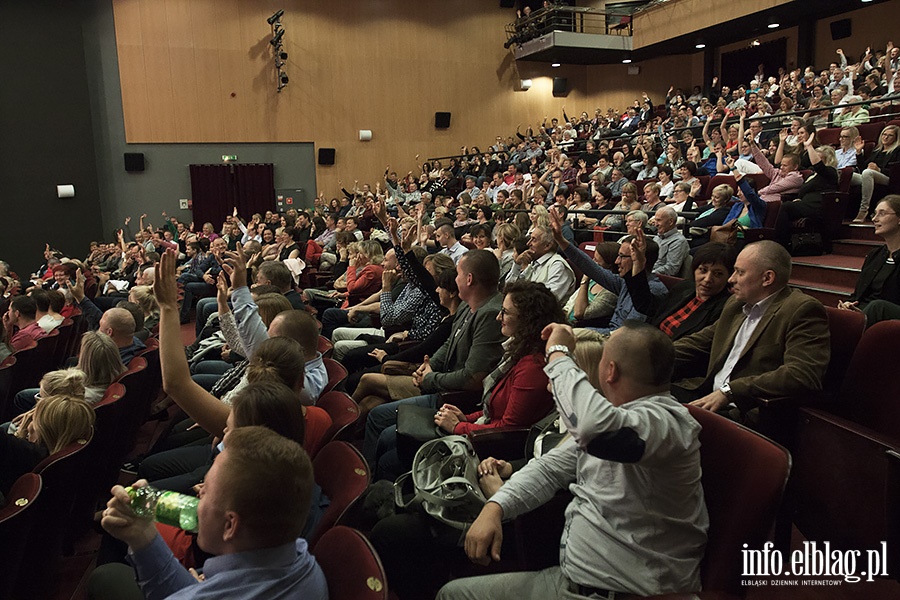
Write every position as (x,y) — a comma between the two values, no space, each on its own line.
(829,296)
(852,247)
(858,231)
(832,271)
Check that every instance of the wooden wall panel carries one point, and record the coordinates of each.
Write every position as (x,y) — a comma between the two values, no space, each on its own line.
(352,66)
(667,21)
(869,27)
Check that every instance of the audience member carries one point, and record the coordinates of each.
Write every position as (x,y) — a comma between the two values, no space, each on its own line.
(604,537)
(770,342)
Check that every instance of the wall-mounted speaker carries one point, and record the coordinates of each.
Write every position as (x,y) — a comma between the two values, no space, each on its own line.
(442,120)
(326,156)
(560,87)
(840,29)
(134,161)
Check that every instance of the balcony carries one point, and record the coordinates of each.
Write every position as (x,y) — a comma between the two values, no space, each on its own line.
(571,35)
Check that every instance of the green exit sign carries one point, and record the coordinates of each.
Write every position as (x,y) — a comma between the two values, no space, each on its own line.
(229,157)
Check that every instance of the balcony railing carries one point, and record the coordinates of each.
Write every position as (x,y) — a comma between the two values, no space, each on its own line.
(566,18)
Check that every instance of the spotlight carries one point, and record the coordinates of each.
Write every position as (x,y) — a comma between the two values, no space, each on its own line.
(282,77)
(275,41)
(275,17)
(626,61)
(700,46)
(774,25)
(554,65)
(282,55)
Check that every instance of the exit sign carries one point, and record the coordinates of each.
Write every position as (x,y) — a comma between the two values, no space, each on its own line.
(229,157)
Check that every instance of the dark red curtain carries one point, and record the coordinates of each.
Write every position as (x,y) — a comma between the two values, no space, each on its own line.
(217,189)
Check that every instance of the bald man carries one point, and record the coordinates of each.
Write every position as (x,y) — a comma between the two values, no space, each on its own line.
(633,440)
(118,324)
(673,246)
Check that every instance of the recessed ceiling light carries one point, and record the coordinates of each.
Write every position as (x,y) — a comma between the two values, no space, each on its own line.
(554,65)
(700,46)
(626,61)
(774,25)
(865,1)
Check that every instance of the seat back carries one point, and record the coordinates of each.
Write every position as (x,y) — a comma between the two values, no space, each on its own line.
(336,374)
(343,474)
(134,405)
(16,521)
(6,375)
(846,328)
(670,281)
(744,475)
(325,347)
(79,324)
(871,392)
(829,136)
(344,412)
(66,331)
(61,474)
(22,370)
(351,565)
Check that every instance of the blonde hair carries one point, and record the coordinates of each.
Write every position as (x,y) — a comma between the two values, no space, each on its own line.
(880,145)
(588,350)
(69,382)
(828,156)
(372,250)
(270,305)
(143,297)
(543,216)
(99,359)
(61,420)
(509,233)
(723,189)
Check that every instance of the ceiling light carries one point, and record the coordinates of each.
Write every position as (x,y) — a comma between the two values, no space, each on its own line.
(774,25)
(700,46)
(626,61)
(554,65)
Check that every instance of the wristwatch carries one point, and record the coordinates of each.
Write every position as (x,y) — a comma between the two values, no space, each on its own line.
(558,348)
(726,389)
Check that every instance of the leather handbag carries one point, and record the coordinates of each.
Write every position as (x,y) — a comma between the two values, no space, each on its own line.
(725,234)
(444,480)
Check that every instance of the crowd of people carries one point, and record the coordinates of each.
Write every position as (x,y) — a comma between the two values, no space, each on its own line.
(469,278)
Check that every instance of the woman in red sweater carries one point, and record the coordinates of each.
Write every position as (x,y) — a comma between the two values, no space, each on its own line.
(515,393)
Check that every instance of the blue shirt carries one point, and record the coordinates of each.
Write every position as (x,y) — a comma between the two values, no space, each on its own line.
(282,572)
(625,309)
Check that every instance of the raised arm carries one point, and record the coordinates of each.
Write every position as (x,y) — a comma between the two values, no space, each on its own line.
(200,405)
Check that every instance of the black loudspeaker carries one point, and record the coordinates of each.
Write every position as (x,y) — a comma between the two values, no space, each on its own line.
(560,87)
(442,120)
(840,29)
(134,161)
(326,156)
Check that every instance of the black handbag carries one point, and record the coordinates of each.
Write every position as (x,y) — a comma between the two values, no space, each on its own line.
(415,426)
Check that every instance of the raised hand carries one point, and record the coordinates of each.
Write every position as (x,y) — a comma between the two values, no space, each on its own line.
(165,287)
(380,209)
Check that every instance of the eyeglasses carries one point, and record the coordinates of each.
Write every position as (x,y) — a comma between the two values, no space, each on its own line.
(883,213)
(623,256)
(505,313)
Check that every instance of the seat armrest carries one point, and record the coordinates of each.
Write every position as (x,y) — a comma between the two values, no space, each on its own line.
(506,443)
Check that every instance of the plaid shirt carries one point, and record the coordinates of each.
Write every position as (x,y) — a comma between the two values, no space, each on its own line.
(671,323)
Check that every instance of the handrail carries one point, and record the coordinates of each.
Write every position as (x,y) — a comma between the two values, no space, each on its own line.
(566,18)
(580,143)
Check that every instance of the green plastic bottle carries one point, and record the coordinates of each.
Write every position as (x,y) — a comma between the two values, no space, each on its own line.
(169,508)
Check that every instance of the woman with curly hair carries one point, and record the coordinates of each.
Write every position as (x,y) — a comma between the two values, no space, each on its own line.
(515,393)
